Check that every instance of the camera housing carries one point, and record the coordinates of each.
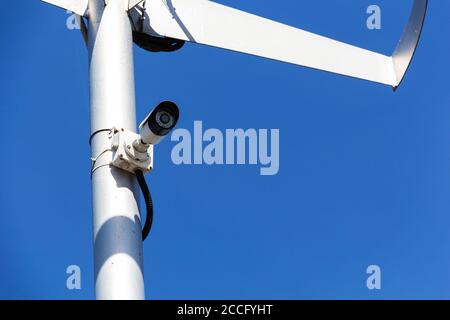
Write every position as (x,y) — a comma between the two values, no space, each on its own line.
(132,151)
(159,123)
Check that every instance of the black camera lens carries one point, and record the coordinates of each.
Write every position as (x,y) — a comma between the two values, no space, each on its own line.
(164,119)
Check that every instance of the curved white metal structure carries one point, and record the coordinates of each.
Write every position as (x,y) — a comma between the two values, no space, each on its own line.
(209,23)
(407,45)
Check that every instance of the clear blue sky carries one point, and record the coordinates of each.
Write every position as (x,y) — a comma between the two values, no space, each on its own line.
(364,173)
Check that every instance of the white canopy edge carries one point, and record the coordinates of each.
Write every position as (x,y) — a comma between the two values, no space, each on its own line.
(76,6)
(209,23)
(406,48)
(213,24)
(80,7)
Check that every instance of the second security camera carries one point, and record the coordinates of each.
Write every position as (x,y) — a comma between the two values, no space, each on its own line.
(159,123)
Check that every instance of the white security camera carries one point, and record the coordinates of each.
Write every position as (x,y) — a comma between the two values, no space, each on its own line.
(159,123)
(132,151)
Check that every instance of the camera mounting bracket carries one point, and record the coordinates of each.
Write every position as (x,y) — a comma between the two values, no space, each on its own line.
(127,156)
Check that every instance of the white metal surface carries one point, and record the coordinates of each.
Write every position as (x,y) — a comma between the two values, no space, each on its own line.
(148,136)
(80,6)
(133,3)
(213,24)
(209,23)
(76,6)
(408,43)
(118,255)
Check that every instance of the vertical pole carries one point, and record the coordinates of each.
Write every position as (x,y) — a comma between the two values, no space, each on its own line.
(118,257)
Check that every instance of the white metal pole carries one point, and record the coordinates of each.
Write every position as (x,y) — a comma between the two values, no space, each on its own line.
(118,255)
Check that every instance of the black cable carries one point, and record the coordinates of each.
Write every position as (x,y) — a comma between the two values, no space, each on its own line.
(148,203)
